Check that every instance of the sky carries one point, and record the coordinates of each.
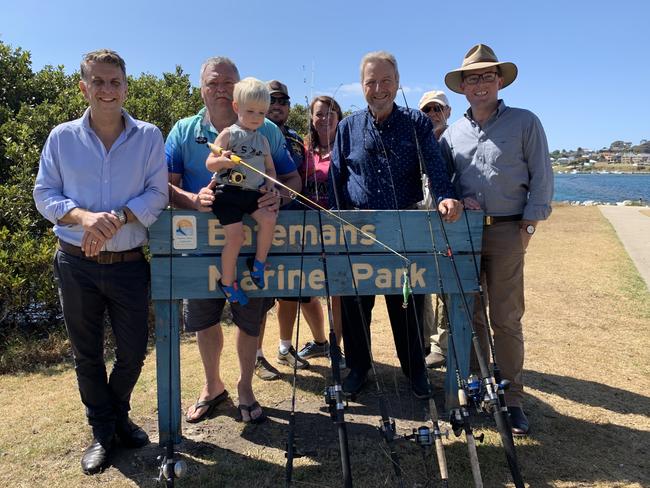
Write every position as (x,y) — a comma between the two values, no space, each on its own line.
(583,64)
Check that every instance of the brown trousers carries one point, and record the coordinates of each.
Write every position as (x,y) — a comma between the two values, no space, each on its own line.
(502,275)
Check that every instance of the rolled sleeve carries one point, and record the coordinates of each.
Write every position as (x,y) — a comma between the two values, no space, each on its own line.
(48,188)
(538,206)
(148,205)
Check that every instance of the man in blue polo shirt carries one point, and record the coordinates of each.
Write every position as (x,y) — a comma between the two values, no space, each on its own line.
(189,179)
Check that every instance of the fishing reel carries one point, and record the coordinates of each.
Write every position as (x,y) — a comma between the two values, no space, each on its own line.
(474,390)
(233,177)
(423,436)
(332,394)
(387,429)
(170,470)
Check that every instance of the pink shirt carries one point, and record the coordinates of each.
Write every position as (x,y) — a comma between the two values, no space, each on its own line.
(314,175)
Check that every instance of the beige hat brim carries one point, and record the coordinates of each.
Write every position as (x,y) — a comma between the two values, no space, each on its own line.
(454,78)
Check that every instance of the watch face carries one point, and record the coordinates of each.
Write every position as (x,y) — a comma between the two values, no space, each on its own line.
(530,229)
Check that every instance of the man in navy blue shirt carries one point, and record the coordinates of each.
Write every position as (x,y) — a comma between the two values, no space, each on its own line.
(376,165)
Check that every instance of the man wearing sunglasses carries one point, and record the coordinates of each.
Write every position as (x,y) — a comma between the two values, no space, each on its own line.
(288,307)
(436,106)
(502,165)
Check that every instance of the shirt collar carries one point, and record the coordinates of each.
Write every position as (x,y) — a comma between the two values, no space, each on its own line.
(501,107)
(206,124)
(383,122)
(129,122)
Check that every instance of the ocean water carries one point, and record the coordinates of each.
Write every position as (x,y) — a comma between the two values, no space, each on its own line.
(609,188)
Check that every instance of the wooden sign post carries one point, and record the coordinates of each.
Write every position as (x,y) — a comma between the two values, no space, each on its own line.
(186,247)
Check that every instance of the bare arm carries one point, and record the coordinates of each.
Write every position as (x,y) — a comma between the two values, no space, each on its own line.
(179,198)
(269,167)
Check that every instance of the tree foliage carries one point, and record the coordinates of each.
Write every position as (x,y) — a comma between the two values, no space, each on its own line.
(31,105)
(299,119)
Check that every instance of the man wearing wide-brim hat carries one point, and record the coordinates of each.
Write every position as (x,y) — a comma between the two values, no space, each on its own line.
(500,156)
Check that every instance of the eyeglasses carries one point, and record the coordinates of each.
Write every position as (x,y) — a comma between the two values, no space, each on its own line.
(279,100)
(488,77)
(435,107)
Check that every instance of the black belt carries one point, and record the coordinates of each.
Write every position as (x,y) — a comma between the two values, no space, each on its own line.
(495,219)
(104,257)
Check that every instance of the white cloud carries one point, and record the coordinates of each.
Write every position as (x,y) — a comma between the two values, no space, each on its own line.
(348,90)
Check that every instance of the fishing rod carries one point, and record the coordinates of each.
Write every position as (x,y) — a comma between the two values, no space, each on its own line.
(293,194)
(291,451)
(496,371)
(387,428)
(458,417)
(334,396)
(490,397)
(424,436)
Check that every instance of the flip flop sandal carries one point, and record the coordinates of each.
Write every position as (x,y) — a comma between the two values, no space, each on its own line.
(211,404)
(256,269)
(233,293)
(250,408)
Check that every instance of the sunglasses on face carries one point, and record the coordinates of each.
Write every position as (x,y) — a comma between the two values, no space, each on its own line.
(279,101)
(435,107)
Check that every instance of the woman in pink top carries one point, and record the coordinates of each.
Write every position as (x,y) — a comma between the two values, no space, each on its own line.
(325,114)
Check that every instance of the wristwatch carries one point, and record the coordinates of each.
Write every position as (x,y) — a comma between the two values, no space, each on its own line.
(120,214)
(530,229)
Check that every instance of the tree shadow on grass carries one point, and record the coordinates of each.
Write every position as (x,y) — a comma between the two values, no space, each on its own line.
(589,393)
(560,448)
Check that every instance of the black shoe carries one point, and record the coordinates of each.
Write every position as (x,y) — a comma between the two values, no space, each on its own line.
(518,421)
(95,458)
(354,381)
(420,386)
(129,434)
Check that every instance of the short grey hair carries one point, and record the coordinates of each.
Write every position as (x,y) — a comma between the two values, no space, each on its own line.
(216,61)
(379,56)
(101,56)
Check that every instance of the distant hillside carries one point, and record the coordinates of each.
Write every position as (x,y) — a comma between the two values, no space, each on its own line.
(642,148)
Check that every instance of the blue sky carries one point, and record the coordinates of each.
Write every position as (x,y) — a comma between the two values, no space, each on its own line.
(583,65)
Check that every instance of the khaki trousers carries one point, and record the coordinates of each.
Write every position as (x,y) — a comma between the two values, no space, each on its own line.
(436,328)
(502,275)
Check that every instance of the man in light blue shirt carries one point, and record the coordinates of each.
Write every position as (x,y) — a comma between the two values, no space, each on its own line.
(102,181)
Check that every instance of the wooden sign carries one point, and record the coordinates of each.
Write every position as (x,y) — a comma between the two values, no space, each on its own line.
(367,254)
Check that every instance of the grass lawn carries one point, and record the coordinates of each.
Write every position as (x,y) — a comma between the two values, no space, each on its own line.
(587,328)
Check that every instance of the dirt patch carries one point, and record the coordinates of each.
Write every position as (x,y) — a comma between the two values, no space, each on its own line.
(587,329)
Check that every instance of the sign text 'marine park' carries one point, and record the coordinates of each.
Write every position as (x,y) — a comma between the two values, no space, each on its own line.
(186,247)
(185,263)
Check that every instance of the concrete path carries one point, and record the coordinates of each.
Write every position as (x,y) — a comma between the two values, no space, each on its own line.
(632,224)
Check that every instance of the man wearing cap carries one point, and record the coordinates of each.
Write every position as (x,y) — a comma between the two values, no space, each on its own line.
(287,307)
(376,166)
(500,156)
(436,106)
